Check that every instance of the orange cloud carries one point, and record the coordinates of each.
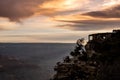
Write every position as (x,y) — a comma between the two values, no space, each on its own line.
(8,26)
(95,20)
(62,5)
(27,8)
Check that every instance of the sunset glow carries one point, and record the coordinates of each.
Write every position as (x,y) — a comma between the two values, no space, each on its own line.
(112,2)
(61,21)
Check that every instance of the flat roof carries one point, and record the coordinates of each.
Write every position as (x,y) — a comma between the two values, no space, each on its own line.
(101,33)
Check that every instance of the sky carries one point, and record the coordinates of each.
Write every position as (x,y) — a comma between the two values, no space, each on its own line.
(56,21)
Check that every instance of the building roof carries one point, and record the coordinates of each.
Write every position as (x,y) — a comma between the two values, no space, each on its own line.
(114,31)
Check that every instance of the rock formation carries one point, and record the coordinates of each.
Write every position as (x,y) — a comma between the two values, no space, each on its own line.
(101,63)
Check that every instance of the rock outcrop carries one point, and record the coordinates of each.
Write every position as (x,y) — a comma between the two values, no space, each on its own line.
(101,63)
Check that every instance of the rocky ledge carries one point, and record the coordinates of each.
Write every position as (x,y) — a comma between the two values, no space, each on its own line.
(101,63)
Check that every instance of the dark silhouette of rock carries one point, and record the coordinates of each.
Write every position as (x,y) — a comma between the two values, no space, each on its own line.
(100,62)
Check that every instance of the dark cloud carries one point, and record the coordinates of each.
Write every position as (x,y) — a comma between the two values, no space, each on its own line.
(101,20)
(91,25)
(18,9)
(112,12)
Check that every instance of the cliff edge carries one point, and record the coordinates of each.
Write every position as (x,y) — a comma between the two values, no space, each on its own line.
(102,61)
